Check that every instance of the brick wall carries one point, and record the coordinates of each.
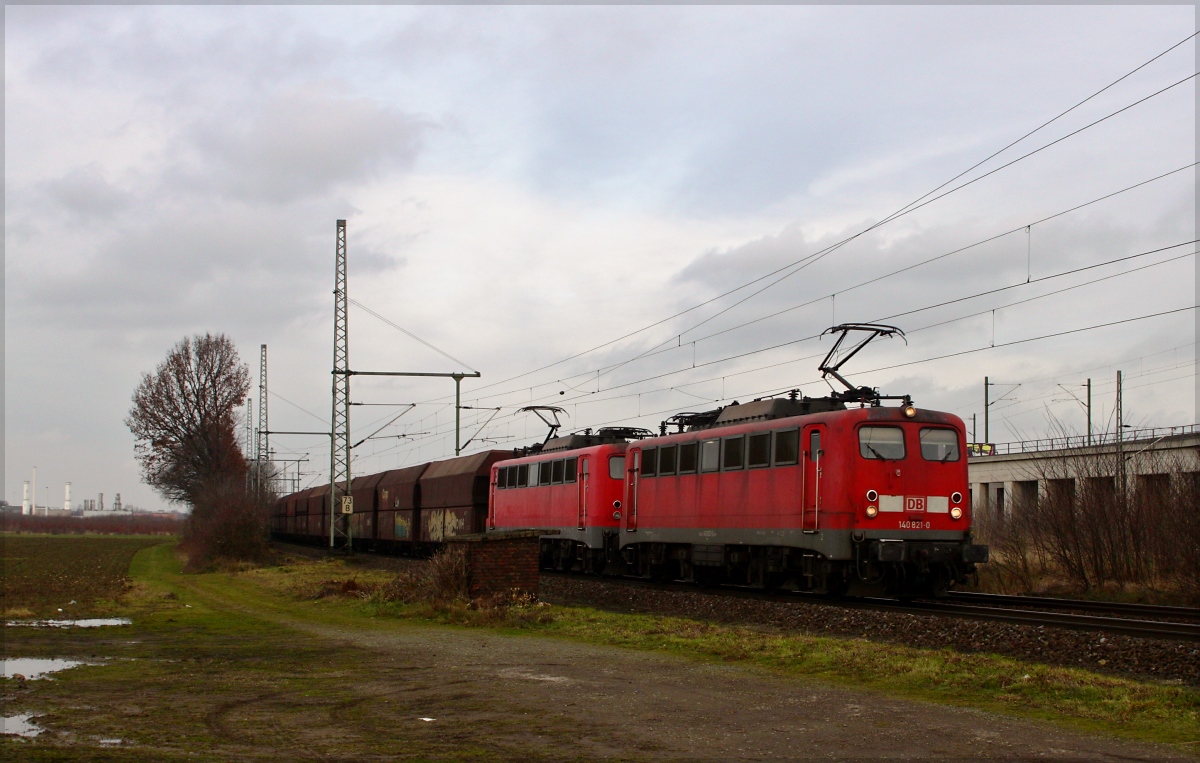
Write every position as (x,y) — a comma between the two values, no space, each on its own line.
(499,563)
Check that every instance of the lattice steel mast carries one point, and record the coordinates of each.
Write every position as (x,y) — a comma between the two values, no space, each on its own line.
(262,468)
(339,454)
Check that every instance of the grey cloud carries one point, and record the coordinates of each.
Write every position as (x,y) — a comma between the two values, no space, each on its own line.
(86,193)
(302,143)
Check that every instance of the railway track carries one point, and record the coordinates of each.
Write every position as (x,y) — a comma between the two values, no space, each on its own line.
(1046,602)
(997,609)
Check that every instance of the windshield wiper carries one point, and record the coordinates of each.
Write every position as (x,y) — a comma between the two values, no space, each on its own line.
(878,454)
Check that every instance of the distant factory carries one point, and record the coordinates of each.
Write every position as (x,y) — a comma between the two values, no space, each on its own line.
(88,507)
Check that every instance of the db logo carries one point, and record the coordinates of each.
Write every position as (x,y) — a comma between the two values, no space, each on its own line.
(914,502)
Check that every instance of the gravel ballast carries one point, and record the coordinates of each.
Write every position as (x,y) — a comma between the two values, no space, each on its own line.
(1153,659)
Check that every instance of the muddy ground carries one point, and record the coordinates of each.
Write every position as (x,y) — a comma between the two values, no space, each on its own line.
(617,703)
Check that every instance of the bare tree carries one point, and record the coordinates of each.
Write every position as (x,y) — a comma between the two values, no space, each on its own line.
(183,417)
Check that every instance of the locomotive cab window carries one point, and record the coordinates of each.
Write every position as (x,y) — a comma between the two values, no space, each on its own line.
(758,450)
(687,458)
(881,443)
(544,473)
(666,460)
(556,474)
(787,447)
(616,467)
(570,469)
(939,445)
(523,475)
(734,453)
(649,462)
(710,455)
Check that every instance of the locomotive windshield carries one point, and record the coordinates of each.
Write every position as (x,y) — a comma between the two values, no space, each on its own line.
(616,467)
(882,443)
(939,445)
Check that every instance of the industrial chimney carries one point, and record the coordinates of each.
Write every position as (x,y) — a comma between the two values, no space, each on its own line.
(67,499)
(26,510)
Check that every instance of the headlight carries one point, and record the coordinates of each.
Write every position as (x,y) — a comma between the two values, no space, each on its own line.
(956,497)
(616,515)
(956,513)
(871,512)
(910,410)
(872,496)
(616,504)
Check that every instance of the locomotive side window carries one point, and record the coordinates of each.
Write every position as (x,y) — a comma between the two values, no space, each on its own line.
(882,443)
(787,447)
(939,445)
(687,458)
(666,460)
(649,462)
(759,450)
(616,467)
(570,469)
(556,477)
(734,456)
(710,455)
(523,475)
(510,479)
(544,473)
(502,477)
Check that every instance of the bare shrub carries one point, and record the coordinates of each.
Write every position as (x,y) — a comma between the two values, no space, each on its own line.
(440,589)
(441,580)
(1096,525)
(228,523)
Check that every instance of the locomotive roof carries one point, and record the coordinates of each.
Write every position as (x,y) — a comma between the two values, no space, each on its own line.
(774,408)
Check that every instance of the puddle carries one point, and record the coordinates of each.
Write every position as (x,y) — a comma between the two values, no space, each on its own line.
(20,725)
(36,667)
(96,622)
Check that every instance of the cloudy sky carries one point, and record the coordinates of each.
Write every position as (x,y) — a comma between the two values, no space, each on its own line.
(567,199)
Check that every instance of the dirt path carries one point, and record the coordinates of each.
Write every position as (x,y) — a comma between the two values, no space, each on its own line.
(588,701)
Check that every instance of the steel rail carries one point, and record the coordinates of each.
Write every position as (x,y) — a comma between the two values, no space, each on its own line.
(1049,602)
(1117,625)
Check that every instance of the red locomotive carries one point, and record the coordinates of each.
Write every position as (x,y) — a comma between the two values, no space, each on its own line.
(837,494)
(810,493)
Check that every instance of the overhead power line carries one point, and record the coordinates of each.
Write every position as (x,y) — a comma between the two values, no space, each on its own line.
(814,336)
(408,333)
(775,390)
(903,210)
(812,259)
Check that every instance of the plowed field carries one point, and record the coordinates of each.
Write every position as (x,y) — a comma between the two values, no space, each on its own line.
(44,574)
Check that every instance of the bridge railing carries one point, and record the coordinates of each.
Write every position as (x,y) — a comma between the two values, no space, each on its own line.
(1130,437)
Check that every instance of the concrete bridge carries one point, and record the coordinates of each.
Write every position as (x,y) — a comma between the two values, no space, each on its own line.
(1008,474)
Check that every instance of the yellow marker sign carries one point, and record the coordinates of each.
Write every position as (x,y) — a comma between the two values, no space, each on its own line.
(347,504)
